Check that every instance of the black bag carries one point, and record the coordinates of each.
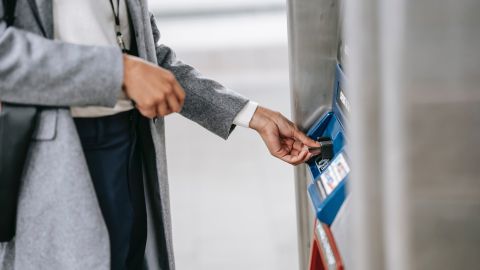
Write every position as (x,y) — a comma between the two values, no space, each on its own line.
(17,123)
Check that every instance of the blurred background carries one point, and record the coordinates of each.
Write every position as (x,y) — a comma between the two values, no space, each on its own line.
(230,199)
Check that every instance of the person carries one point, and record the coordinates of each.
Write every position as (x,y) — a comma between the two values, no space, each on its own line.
(95,183)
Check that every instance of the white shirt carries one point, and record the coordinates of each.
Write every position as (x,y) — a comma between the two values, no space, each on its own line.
(92,22)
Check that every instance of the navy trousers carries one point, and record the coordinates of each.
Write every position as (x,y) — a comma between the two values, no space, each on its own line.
(114,158)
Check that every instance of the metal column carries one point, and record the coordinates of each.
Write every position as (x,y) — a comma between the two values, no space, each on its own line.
(313,41)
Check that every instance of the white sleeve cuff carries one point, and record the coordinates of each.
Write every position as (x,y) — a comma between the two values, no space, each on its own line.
(245,115)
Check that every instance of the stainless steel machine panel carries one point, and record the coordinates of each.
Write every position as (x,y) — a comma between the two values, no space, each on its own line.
(313,41)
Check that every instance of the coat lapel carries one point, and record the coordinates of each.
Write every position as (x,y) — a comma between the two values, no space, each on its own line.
(45,14)
(136,19)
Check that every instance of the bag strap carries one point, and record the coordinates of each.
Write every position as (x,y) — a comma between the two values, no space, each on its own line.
(9,11)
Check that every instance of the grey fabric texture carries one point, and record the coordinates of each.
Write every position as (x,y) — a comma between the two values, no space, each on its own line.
(62,74)
(59,223)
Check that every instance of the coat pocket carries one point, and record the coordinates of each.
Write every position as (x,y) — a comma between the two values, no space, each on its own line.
(46,128)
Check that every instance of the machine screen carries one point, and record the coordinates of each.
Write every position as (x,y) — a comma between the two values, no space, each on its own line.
(334,174)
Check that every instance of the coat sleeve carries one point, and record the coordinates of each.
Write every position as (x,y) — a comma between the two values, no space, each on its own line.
(207,102)
(38,71)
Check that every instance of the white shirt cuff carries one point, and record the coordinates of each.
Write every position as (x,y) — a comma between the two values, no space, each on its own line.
(244,117)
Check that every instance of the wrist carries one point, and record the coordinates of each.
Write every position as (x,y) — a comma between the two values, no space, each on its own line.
(260,118)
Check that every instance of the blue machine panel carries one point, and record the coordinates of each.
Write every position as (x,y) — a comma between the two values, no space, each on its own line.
(329,177)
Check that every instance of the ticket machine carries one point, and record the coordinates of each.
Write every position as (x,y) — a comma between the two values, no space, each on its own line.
(416,200)
(329,177)
(314,34)
(330,169)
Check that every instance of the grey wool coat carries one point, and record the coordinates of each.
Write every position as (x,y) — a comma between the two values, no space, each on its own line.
(59,223)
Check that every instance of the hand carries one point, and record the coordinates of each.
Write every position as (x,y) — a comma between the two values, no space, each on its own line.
(282,137)
(155,90)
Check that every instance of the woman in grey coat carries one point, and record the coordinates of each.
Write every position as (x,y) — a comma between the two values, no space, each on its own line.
(94,192)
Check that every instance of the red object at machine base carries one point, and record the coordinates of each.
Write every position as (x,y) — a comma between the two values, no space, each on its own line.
(317,257)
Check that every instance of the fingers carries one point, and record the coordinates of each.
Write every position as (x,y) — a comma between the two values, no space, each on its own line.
(147,112)
(289,129)
(162,109)
(297,145)
(285,142)
(173,104)
(297,149)
(176,95)
(274,145)
(172,97)
(155,90)
(293,152)
(299,158)
(179,92)
(300,136)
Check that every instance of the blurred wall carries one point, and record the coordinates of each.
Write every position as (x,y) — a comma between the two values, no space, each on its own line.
(414,79)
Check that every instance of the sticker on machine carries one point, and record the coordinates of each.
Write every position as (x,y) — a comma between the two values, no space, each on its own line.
(335,173)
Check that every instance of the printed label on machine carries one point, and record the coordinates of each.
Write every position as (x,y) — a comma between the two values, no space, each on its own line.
(343,102)
(334,174)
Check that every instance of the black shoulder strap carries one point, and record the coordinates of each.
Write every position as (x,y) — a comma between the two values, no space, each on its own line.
(9,11)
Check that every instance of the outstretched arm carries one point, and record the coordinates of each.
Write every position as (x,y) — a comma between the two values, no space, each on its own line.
(282,137)
(215,107)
